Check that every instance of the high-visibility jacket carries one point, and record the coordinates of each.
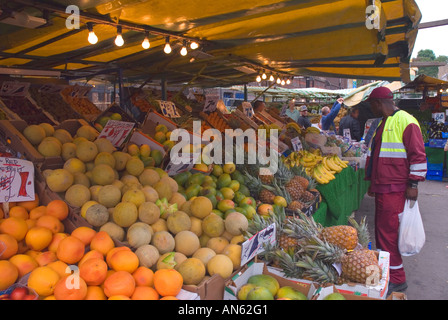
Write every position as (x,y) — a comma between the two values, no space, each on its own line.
(402,154)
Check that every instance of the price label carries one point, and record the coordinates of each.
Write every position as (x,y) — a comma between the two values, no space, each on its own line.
(16,180)
(116,131)
(211,103)
(296,144)
(347,134)
(174,168)
(255,245)
(14,88)
(168,109)
(247,109)
(439,117)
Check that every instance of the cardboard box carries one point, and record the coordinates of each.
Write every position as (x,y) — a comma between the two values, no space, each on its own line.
(209,289)
(240,278)
(72,125)
(114,108)
(152,120)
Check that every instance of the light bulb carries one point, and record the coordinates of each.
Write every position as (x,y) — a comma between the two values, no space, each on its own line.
(194,45)
(145,43)
(271,78)
(167,48)
(92,38)
(288,81)
(278,80)
(184,51)
(283,82)
(264,76)
(119,39)
(258,78)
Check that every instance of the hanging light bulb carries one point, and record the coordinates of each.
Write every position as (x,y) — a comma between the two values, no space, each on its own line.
(184,51)
(271,78)
(119,39)
(288,81)
(194,45)
(264,76)
(258,78)
(278,80)
(92,38)
(283,82)
(167,48)
(145,43)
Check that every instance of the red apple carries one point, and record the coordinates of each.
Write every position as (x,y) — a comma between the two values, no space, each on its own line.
(19,293)
(30,297)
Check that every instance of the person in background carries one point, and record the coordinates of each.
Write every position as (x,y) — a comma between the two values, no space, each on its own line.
(328,115)
(371,130)
(292,111)
(396,162)
(351,122)
(259,106)
(303,120)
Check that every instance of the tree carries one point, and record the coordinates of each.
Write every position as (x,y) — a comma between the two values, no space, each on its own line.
(427,55)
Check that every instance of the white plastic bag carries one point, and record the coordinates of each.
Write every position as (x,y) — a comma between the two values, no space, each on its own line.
(411,236)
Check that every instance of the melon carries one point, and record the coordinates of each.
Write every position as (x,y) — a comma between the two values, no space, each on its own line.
(68,151)
(163,190)
(233,251)
(81,178)
(50,148)
(94,191)
(139,234)
(217,244)
(213,225)
(148,255)
(103,174)
(135,196)
(149,177)
(170,260)
(186,242)
(121,158)
(171,182)
(78,140)
(113,230)
(105,158)
(104,145)
(129,179)
(204,254)
(221,265)
(63,135)
(86,206)
(148,212)
(135,166)
(159,225)
(150,193)
(196,226)
(163,241)
(59,180)
(192,271)
(109,196)
(97,215)
(178,198)
(76,195)
(74,165)
(201,207)
(178,221)
(236,223)
(86,151)
(87,132)
(125,214)
(48,128)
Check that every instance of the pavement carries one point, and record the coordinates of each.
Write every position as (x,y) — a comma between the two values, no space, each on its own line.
(426,272)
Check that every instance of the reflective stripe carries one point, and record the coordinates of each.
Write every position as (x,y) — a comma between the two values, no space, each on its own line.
(396,267)
(392,145)
(393,154)
(419,173)
(419,166)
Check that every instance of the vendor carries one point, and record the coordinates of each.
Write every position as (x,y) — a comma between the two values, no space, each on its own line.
(328,115)
(351,123)
(303,120)
(292,111)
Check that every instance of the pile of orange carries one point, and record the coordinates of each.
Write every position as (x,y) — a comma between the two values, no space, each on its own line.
(82,265)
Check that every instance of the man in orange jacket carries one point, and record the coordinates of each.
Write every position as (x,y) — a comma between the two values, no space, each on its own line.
(396,162)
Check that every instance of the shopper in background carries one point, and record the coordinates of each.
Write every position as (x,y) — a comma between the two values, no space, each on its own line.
(396,162)
(328,115)
(303,120)
(351,123)
(292,111)
(259,106)
(371,130)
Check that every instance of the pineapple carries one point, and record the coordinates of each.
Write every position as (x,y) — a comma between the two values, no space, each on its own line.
(343,236)
(307,197)
(266,196)
(290,181)
(357,263)
(296,205)
(363,231)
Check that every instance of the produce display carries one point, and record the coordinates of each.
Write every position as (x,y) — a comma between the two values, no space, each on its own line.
(81,105)
(26,110)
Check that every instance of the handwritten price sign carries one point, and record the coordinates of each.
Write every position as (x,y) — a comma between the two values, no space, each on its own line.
(16,180)
(116,131)
(168,109)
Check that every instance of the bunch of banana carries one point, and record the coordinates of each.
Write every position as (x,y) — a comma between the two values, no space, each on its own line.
(312,130)
(324,171)
(302,158)
(268,128)
(292,126)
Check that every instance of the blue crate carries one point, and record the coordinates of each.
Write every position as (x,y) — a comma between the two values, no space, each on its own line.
(444,135)
(434,178)
(438,173)
(435,166)
(437,143)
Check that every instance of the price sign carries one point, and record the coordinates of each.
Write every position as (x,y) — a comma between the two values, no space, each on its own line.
(168,109)
(174,168)
(439,117)
(116,131)
(14,88)
(296,144)
(211,103)
(247,109)
(16,180)
(256,244)
(347,134)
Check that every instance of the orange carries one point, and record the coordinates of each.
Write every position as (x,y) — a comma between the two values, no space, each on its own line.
(168,298)
(45,258)
(29,205)
(8,274)
(92,254)
(30,223)
(15,227)
(143,276)
(22,247)
(2,213)
(112,252)
(119,297)
(58,209)
(145,293)
(32,253)
(95,293)
(119,283)
(70,250)
(57,237)
(102,242)
(49,298)
(85,234)
(38,212)
(93,271)
(9,244)
(60,267)
(38,238)
(24,263)
(18,212)
(66,290)
(168,282)
(124,260)
(50,222)
(43,280)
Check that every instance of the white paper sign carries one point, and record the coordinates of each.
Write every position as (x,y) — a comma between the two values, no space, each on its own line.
(172,169)
(439,117)
(347,134)
(16,180)
(116,131)
(255,245)
(168,109)
(247,109)
(296,144)
(210,104)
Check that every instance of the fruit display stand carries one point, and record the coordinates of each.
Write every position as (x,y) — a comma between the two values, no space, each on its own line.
(113,112)
(76,97)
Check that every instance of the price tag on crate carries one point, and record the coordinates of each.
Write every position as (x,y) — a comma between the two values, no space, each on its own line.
(247,109)
(117,131)
(174,168)
(296,144)
(439,117)
(16,180)
(168,109)
(211,103)
(255,245)
(14,89)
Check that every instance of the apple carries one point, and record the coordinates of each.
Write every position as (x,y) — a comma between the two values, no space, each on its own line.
(19,293)
(30,297)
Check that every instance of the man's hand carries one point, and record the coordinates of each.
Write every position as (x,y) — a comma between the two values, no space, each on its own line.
(340,100)
(411,193)
(370,193)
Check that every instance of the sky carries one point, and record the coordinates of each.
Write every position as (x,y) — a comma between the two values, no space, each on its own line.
(436,38)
